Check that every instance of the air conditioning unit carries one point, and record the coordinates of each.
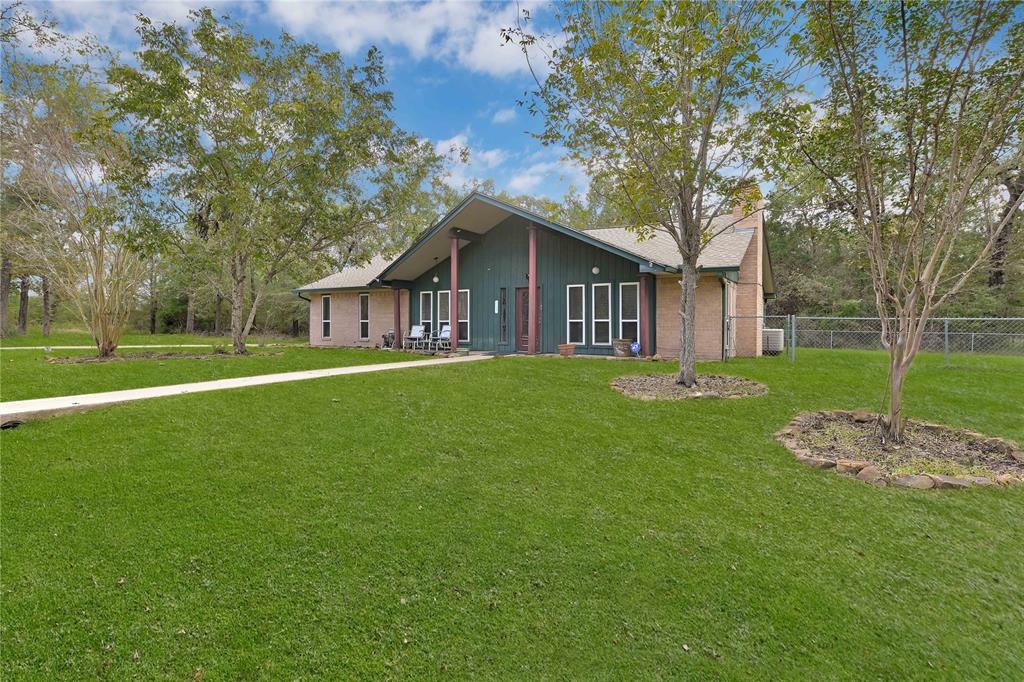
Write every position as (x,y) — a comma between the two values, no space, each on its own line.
(774,341)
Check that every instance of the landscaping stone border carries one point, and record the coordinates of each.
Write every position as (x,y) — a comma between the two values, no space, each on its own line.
(664,387)
(873,472)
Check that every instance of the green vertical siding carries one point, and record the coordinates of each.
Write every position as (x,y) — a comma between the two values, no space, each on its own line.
(501,259)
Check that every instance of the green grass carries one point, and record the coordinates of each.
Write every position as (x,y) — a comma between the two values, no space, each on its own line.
(71,336)
(26,374)
(512,519)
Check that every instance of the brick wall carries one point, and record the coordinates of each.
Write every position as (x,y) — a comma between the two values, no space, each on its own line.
(345,318)
(749,321)
(709,317)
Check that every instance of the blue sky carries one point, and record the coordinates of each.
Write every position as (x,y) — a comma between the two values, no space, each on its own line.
(454,82)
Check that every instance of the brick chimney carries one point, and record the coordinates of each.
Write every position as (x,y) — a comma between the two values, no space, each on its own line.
(748,200)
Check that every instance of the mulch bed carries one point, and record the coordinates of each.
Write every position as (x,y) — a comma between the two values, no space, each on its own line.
(930,455)
(91,359)
(664,387)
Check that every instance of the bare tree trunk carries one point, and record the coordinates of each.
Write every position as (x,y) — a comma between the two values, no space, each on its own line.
(238,275)
(46,305)
(894,416)
(23,282)
(217,306)
(997,261)
(5,292)
(687,375)
(190,313)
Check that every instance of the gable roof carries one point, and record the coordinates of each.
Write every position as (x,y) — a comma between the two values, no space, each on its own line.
(352,277)
(480,212)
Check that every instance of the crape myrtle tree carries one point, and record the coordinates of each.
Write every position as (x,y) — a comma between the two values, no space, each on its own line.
(918,125)
(63,210)
(659,102)
(265,157)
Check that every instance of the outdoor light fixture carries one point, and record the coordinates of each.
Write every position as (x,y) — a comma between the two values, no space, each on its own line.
(596,270)
(435,279)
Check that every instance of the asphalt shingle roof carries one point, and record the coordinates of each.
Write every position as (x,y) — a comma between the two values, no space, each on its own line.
(725,250)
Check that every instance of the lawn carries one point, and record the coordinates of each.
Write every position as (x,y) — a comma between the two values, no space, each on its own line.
(512,518)
(27,374)
(71,336)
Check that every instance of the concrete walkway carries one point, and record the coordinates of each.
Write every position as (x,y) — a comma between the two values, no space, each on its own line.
(23,410)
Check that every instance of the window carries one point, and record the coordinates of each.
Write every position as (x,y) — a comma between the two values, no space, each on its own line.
(575,326)
(426,309)
(325,317)
(463,315)
(364,316)
(444,314)
(503,315)
(601,314)
(629,311)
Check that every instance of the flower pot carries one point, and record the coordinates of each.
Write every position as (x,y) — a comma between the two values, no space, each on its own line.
(620,347)
(566,349)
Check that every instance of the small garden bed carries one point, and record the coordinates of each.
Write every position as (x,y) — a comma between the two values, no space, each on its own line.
(150,355)
(930,456)
(664,387)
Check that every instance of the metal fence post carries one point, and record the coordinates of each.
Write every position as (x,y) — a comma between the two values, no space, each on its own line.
(792,338)
(945,337)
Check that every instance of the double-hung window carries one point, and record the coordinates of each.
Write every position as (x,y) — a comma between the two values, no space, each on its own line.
(325,317)
(463,315)
(426,310)
(629,311)
(444,309)
(601,314)
(575,327)
(364,317)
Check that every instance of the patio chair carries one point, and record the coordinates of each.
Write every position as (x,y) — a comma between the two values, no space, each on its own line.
(416,337)
(388,340)
(443,342)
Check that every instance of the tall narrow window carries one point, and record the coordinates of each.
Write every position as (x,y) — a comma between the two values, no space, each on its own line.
(325,317)
(426,309)
(601,314)
(444,313)
(364,317)
(503,315)
(574,306)
(629,311)
(463,315)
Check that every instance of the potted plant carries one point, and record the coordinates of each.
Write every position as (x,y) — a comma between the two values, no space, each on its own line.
(566,349)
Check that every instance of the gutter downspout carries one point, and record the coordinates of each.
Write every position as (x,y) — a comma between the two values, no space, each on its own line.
(299,294)
(725,321)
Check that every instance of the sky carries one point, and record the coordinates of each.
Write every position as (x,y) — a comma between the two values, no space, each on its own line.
(454,82)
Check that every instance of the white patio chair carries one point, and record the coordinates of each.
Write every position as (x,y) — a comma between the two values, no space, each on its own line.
(443,342)
(415,338)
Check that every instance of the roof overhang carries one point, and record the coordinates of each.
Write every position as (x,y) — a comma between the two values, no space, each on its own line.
(476,215)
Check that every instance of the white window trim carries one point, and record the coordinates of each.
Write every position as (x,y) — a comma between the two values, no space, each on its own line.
(361,320)
(583,313)
(594,319)
(330,325)
(460,319)
(441,323)
(429,319)
(637,320)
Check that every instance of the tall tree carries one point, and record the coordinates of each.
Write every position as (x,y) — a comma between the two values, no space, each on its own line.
(281,151)
(60,152)
(923,106)
(658,102)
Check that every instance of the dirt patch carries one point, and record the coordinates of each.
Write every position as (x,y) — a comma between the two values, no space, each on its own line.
(92,359)
(930,456)
(664,387)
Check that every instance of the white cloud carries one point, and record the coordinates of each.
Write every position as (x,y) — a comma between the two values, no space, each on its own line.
(504,116)
(467,34)
(550,173)
(479,163)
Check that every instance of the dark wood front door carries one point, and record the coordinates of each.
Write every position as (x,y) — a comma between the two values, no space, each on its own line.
(523,320)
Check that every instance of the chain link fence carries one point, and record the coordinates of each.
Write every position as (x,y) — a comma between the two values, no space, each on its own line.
(783,335)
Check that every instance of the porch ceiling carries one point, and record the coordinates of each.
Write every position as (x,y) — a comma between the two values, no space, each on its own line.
(475,216)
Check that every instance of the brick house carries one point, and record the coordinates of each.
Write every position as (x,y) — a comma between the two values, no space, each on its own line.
(587,287)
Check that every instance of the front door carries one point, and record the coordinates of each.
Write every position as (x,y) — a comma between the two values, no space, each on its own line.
(523,319)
